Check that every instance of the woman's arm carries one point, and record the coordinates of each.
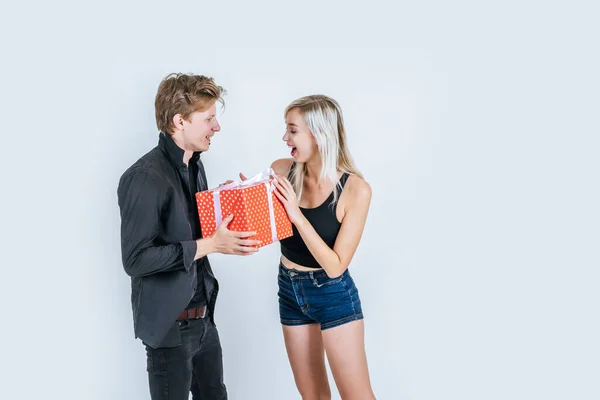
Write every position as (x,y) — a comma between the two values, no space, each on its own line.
(334,261)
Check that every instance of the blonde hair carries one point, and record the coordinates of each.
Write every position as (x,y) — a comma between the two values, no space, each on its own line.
(184,94)
(323,115)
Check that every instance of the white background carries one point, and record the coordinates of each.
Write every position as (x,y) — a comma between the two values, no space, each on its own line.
(476,126)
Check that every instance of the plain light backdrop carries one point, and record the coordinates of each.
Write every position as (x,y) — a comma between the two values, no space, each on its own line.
(475,124)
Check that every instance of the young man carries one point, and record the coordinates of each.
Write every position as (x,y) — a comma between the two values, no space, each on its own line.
(173,287)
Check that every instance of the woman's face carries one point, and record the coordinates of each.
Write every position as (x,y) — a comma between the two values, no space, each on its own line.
(299,138)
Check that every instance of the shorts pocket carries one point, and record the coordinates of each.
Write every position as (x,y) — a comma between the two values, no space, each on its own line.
(321,281)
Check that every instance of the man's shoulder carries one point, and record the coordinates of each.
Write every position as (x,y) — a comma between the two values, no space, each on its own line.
(151,166)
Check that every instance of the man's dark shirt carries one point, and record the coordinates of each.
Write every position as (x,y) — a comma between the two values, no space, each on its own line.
(159,228)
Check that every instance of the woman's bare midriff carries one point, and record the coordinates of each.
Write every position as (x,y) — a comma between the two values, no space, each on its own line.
(292,265)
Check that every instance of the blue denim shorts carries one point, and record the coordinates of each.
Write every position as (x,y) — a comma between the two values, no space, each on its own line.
(309,297)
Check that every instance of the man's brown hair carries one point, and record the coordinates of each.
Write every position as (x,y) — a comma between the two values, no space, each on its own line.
(184,94)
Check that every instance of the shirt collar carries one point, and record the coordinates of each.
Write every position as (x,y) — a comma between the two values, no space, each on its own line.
(173,151)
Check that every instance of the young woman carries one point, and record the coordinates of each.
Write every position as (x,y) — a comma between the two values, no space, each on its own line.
(327,201)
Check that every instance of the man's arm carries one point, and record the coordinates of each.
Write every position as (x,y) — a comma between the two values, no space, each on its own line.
(140,201)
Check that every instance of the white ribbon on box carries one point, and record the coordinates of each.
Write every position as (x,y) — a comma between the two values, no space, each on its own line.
(262,178)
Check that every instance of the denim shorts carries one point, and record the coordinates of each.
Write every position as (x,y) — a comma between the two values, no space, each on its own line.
(309,297)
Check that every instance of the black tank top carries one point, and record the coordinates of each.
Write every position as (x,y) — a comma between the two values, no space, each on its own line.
(324,220)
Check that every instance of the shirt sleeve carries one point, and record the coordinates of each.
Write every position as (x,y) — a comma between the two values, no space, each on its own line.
(140,203)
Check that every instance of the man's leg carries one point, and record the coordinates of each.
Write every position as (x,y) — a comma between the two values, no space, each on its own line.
(170,369)
(169,374)
(207,367)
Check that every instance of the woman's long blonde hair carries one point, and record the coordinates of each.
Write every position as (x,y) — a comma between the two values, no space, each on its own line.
(323,116)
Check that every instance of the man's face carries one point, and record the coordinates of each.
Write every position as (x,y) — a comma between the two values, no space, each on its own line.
(196,132)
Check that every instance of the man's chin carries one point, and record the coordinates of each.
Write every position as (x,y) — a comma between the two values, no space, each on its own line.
(203,148)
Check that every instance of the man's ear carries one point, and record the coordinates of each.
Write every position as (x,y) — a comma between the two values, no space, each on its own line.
(178,121)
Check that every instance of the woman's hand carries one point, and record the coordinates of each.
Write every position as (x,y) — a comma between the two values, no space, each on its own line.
(286,194)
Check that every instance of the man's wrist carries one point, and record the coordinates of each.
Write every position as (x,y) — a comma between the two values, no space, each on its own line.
(205,246)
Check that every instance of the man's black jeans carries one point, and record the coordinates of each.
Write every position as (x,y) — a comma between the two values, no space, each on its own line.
(195,366)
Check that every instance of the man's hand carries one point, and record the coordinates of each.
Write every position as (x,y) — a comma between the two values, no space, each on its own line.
(232,242)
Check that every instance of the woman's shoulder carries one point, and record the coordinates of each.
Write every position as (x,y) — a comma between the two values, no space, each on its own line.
(282,166)
(358,188)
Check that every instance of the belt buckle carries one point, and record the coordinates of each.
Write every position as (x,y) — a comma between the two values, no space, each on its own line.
(198,316)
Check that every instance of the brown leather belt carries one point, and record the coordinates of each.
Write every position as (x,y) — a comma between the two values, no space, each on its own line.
(192,313)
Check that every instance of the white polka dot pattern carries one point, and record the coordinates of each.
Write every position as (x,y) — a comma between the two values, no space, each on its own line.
(250,207)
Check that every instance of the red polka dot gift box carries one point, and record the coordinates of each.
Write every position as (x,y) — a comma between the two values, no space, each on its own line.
(253,204)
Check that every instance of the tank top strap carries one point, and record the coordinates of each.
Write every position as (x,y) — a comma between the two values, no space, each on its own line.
(343,179)
(291,170)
